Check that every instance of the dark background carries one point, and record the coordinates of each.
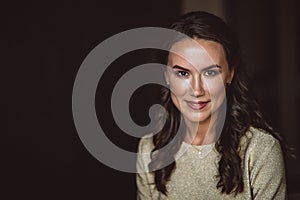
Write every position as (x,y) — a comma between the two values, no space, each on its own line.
(44,44)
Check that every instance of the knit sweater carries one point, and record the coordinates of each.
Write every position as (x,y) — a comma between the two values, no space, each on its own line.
(196,177)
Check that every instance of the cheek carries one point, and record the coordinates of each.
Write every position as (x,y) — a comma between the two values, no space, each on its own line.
(216,88)
(179,87)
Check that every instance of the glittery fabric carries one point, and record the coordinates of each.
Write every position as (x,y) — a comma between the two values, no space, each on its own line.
(196,178)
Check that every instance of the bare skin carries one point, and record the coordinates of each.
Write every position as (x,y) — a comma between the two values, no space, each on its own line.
(197,73)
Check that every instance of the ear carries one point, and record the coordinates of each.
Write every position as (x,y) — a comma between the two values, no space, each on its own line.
(166,77)
(230,77)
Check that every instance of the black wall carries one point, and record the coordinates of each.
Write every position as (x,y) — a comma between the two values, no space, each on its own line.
(45,43)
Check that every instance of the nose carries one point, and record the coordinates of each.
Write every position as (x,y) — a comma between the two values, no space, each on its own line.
(197,87)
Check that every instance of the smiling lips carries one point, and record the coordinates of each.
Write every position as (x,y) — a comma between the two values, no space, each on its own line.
(197,105)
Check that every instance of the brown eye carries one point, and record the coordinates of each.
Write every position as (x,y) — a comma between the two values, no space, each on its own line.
(182,73)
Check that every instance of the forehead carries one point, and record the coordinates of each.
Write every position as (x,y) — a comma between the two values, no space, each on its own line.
(198,53)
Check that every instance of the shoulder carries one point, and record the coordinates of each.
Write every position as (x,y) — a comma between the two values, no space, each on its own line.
(258,145)
(144,153)
(146,144)
(256,136)
(263,165)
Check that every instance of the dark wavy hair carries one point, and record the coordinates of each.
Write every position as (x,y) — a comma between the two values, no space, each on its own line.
(242,108)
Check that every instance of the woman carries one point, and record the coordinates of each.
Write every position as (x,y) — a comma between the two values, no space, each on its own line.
(224,148)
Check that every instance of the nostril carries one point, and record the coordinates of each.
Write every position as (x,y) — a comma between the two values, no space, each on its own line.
(198,92)
(197,88)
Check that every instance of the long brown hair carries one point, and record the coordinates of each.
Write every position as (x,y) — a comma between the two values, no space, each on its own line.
(242,108)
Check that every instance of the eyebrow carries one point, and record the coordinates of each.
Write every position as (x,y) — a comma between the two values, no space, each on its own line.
(206,68)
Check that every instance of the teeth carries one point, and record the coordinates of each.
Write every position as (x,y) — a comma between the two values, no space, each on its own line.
(197,106)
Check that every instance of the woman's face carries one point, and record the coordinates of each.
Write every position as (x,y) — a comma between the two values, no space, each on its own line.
(197,73)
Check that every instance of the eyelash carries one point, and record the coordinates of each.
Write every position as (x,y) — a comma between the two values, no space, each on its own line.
(213,73)
(180,73)
(208,73)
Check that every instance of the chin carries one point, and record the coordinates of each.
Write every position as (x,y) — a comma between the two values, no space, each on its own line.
(197,118)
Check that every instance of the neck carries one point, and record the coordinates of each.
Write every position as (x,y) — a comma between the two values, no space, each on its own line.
(200,133)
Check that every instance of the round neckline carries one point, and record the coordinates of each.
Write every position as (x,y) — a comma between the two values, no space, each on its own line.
(198,146)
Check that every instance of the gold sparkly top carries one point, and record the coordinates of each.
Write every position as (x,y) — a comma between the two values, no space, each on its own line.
(196,177)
